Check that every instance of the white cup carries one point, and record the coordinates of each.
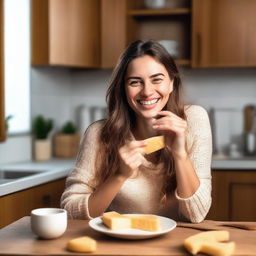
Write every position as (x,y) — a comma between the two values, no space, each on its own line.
(49,223)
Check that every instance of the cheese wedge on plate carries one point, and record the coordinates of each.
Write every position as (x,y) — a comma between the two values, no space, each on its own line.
(116,221)
(154,144)
(146,222)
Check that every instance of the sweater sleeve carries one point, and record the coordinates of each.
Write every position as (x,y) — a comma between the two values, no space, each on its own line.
(196,207)
(80,183)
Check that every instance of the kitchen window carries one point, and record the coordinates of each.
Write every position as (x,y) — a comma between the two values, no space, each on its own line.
(17,64)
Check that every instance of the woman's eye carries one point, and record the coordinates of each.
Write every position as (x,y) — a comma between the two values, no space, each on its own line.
(157,80)
(135,83)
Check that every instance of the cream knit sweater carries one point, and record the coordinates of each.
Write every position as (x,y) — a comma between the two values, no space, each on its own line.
(141,194)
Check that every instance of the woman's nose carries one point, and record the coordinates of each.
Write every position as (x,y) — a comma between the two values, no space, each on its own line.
(147,89)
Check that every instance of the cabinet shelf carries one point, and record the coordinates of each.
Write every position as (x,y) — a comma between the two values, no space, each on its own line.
(159,12)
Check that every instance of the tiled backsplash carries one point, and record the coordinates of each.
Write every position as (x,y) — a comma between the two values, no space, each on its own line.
(60,92)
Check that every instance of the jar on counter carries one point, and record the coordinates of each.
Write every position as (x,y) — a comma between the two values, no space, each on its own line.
(250,143)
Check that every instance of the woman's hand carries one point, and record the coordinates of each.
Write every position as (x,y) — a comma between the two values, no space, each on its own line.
(131,155)
(174,129)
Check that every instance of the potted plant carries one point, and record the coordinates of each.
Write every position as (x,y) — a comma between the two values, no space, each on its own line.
(42,144)
(66,142)
(7,121)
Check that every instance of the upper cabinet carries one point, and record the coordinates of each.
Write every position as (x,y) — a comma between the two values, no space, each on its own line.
(77,33)
(93,33)
(66,33)
(223,33)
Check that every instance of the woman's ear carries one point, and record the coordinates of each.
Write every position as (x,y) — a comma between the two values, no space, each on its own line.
(171,86)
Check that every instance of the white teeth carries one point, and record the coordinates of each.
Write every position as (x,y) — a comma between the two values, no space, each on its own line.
(148,102)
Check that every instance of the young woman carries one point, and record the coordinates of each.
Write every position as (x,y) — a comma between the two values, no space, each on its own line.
(113,172)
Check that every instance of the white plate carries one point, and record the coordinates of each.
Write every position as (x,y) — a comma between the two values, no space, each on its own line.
(166,225)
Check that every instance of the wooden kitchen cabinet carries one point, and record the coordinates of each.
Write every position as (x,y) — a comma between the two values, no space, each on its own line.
(113,31)
(19,204)
(123,21)
(93,33)
(161,24)
(223,33)
(234,195)
(77,33)
(66,33)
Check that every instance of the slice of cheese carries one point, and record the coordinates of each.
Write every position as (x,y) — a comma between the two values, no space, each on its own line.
(82,244)
(146,222)
(154,144)
(209,242)
(115,221)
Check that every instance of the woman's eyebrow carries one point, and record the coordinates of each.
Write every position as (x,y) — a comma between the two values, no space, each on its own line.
(137,77)
(157,74)
(133,77)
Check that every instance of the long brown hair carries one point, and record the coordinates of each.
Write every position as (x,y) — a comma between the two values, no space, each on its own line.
(121,118)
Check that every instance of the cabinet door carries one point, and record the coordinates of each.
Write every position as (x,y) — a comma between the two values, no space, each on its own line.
(113,32)
(223,33)
(233,194)
(20,204)
(66,32)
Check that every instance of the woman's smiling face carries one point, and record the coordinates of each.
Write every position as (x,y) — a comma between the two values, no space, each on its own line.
(148,86)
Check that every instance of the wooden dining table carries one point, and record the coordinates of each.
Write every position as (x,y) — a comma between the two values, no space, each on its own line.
(18,239)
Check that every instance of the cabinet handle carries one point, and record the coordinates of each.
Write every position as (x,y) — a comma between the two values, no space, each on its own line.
(47,200)
(199,49)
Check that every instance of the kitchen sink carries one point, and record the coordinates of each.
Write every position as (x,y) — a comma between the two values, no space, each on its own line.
(7,175)
(3,181)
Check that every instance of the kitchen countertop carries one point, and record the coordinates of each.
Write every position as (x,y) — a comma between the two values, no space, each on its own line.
(59,168)
(26,243)
(48,171)
(241,163)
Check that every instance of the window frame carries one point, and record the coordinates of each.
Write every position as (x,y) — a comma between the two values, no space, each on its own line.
(2,110)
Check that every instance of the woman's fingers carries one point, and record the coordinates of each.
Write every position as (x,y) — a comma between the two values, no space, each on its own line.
(171,121)
(174,128)
(131,155)
(134,161)
(168,114)
(170,124)
(137,146)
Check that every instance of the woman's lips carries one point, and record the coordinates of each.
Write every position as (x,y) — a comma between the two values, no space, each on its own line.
(148,102)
